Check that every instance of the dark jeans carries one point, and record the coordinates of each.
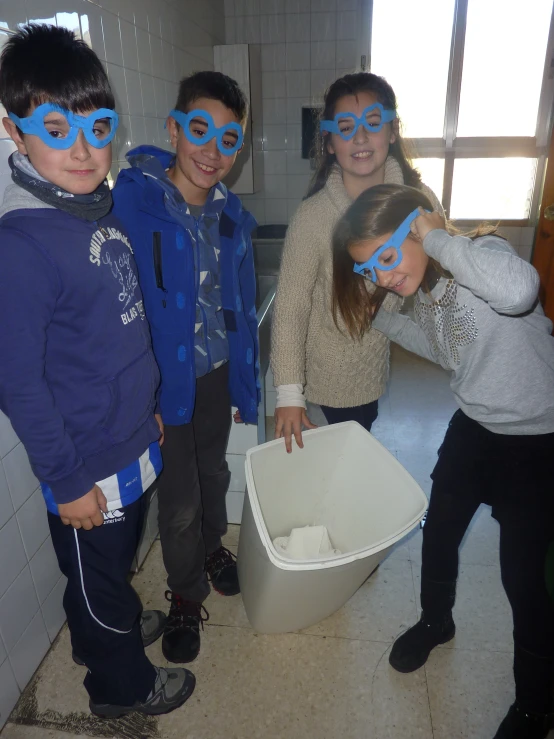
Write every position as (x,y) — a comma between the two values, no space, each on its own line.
(514,475)
(193,485)
(365,415)
(103,611)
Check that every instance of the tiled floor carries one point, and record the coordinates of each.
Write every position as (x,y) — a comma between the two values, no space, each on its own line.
(331,681)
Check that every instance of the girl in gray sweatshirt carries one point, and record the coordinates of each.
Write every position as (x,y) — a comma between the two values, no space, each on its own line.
(477,314)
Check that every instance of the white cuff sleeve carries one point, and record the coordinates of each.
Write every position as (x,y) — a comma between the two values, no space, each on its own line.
(290,395)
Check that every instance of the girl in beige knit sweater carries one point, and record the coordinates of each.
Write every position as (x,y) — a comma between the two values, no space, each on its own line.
(311,358)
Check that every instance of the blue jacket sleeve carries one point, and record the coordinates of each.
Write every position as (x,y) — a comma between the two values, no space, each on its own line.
(29,288)
(247,279)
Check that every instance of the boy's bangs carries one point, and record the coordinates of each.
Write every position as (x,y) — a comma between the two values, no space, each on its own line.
(79,94)
(77,100)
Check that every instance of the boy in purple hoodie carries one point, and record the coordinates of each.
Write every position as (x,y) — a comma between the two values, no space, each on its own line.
(78,377)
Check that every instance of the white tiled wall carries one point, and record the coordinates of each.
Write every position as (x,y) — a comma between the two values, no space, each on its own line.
(147,46)
(306,44)
(31,585)
(241,438)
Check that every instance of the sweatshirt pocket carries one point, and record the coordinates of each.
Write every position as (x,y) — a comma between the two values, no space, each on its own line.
(132,398)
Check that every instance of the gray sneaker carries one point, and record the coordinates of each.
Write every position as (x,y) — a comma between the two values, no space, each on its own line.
(172,688)
(151,628)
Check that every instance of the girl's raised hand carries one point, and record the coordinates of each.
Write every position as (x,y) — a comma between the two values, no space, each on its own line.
(426,222)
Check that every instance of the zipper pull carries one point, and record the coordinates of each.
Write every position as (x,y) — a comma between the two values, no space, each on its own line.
(158,267)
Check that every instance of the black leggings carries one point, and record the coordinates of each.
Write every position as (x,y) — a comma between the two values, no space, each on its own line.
(515,475)
(365,415)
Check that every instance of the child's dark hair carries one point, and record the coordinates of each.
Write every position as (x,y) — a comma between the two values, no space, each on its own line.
(354,84)
(47,64)
(214,86)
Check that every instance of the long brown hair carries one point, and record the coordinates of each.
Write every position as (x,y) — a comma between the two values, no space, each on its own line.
(376,212)
(354,84)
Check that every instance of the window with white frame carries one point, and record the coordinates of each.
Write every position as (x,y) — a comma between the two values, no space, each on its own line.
(474,82)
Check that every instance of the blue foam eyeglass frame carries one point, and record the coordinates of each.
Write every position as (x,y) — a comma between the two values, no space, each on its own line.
(395,241)
(184,120)
(34,124)
(333,126)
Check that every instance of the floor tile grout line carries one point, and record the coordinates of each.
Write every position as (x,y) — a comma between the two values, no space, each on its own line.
(301,633)
(476,648)
(429,702)
(480,649)
(373,677)
(424,667)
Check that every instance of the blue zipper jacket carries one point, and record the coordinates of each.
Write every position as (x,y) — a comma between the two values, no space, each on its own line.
(202,224)
(165,259)
(78,378)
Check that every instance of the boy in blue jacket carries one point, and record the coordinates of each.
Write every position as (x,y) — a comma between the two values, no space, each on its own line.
(194,254)
(78,376)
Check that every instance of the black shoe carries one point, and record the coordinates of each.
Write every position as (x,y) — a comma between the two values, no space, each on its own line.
(171,689)
(221,568)
(151,628)
(181,639)
(518,724)
(411,650)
